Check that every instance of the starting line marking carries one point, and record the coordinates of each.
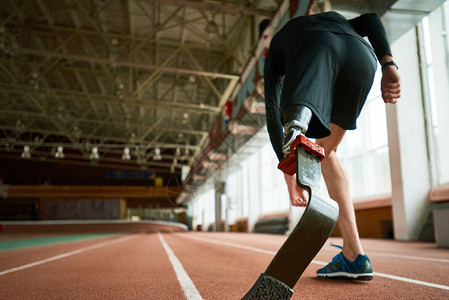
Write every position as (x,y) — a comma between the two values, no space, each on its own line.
(186,283)
(399,278)
(64,255)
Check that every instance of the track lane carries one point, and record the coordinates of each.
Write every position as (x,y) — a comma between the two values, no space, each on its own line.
(17,257)
(140,269)
(184,280)
(432,269)
(309,286)
(388,257)
(137,268)
(218,272)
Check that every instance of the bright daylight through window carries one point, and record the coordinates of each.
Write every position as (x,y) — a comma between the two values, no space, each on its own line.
(435,63)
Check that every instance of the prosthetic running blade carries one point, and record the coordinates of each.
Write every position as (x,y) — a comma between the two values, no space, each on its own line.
(311,232)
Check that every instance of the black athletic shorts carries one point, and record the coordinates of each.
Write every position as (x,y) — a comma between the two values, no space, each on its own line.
(331,74)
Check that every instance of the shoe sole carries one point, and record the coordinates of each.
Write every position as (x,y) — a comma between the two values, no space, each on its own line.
(268,288)
(348,276)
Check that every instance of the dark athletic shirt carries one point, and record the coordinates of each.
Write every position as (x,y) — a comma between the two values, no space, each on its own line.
(284,44)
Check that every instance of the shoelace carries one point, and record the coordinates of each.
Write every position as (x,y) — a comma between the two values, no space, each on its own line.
(337,258)
(337,246)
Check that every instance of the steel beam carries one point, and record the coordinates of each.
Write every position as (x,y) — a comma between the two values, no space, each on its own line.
(120,63)
(110,99)
(221,8)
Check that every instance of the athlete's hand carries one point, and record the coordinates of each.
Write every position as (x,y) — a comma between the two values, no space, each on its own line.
(298,196)
(390,85)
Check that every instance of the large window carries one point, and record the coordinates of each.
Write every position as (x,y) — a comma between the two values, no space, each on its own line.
(236,193)
(256,183)
(435,63)
(274,194)
(204,207)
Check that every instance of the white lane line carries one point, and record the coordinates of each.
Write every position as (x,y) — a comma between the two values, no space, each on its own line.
(422,258)
(186,283)
(405,279)
(64,255)
(410,257)
(247,248)
(232,245)
(231,238)
(409,280)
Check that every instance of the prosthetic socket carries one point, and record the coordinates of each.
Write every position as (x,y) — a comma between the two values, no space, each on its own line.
(296,121)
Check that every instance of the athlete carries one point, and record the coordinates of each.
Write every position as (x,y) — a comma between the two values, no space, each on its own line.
(318,73)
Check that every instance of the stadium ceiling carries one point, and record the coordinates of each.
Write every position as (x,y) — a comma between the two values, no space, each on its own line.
(138,79)
(128,84)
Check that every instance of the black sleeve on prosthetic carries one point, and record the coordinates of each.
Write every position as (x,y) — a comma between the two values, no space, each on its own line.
(371,26)
(272,83)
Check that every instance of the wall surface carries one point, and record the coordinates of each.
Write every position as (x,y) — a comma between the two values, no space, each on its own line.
(409,165)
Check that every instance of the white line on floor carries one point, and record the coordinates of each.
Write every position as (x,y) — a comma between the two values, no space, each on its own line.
(186,283)
(422,258)
(410,257)
(434,285)
(64,255)
(409,280)
(231,244)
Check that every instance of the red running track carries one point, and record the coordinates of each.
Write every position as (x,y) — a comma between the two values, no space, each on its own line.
(194,265)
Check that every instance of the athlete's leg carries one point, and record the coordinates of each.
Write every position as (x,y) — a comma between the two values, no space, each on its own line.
(338,187)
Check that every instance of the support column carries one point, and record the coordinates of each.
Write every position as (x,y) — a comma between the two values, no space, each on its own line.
(254,194)
(122,208)
(219,190)
(409,164)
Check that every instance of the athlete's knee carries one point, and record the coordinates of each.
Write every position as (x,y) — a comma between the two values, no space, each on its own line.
(329,148)
(331,142)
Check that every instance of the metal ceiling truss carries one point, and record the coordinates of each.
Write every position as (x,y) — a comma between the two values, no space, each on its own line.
(137,74)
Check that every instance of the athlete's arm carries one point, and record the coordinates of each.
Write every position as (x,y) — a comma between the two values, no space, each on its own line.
(371,26)
(390,84)
(272,82)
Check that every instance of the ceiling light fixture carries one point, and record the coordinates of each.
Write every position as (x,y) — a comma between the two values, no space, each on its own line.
(157,154)
(26,152)
(94,155)
(211,27)
(190,85)
(126,155)
(60,153)
(185,118)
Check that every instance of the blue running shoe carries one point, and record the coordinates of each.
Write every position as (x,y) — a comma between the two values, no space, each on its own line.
(341,268)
